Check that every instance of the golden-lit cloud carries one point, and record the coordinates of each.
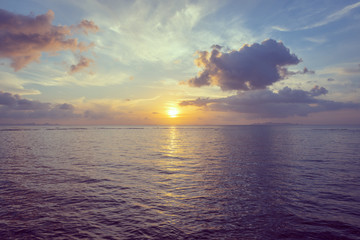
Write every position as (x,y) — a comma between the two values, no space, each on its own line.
(24,38)
(86,26)
(83,63)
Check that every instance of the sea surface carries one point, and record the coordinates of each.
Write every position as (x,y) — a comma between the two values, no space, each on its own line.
(176,182)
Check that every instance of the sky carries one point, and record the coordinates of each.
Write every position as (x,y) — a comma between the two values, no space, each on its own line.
(205,62)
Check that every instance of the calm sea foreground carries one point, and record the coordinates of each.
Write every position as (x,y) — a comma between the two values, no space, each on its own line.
(176,182)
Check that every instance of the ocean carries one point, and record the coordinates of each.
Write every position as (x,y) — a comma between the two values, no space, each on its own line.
(180,182)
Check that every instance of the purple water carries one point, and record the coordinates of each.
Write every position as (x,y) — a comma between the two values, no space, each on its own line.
(212,182)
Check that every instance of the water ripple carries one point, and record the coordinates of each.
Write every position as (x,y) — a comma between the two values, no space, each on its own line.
(219,182)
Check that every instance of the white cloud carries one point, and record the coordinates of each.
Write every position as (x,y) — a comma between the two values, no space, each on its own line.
(281,29)
(155,33)
(333,17)
(162,31)
(326,20)
(316,39)
(13,84)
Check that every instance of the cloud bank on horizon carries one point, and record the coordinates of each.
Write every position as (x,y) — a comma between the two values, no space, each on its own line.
(15,107)
(265,103)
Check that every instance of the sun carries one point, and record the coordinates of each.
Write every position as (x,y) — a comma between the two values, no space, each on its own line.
(173,112)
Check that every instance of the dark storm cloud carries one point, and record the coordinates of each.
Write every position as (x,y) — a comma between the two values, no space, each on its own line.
(265,103)
(252,67)
(15,107)
(24,38)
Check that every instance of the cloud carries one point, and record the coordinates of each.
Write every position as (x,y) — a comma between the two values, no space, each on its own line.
(11,83)
(319,40)
(15,107)
(284,72)
(91,114)
(252,67)
(86,26)
(333,17)
(281,29)
(159,31)
(66,106)
(317,91)
(83,63)
(24,38)
(265,103)
(328,19)
(199,102)
(352,70)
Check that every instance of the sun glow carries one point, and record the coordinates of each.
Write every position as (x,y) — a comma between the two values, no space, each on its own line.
(173,112)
